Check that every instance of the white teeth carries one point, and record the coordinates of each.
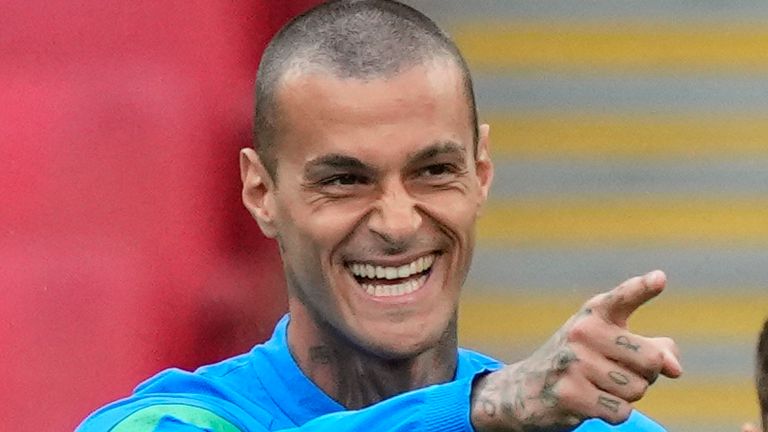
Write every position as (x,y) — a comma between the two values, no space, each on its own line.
(404,288)
(391,273)
(371,271)
(405,270)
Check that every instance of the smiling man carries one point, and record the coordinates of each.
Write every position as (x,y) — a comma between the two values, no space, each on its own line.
(370,172)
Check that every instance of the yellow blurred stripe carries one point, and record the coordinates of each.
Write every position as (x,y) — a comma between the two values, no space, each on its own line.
(606,136)
(701,402)
(652,221)
(502,319)
(613,45)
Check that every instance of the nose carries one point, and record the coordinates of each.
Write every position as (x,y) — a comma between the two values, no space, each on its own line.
(395,217)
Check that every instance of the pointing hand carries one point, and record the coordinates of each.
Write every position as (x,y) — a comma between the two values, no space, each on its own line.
(593,367)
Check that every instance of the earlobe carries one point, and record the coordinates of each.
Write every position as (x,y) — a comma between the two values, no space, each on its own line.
(483,163)
(258,191)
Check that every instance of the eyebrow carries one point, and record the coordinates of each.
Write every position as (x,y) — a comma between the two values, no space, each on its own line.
(438,149)
(344,162)
(335,161)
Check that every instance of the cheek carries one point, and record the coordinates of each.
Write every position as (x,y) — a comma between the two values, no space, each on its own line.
(323,227)
(457,210)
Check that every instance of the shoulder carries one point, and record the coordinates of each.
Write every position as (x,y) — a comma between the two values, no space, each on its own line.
(175,400)
(228,396)
(160,414)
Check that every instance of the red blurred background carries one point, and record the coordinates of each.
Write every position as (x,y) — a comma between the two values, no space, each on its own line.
(124,247)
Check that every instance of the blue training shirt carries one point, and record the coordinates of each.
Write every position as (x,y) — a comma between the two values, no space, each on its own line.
(264,390)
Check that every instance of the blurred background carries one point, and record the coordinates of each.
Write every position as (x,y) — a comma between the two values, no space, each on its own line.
(627,136)
(124,248)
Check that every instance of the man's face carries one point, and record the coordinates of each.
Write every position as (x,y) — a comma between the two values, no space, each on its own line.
(375,203)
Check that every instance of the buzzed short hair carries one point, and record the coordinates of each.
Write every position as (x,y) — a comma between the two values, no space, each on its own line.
(761,374)
(361,39)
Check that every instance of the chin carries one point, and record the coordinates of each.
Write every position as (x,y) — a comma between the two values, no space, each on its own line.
(403,340)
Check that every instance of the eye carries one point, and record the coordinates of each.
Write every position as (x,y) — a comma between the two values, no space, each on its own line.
(437,170)
(344,180)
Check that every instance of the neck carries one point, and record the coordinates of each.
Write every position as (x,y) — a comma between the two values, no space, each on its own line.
(357,378)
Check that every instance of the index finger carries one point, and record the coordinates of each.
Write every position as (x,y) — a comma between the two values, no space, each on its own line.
(618,304)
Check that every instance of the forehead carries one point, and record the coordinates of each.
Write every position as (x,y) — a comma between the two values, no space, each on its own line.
(320,112)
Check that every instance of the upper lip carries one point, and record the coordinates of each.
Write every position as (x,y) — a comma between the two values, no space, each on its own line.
(395,261)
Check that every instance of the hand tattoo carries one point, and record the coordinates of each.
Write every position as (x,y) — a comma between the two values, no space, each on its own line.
(489,408)
(563,360)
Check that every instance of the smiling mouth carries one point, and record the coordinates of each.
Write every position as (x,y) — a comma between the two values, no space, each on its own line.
(387,281)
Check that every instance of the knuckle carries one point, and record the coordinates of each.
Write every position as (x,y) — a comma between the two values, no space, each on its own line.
(637,391)
(567,392)
(652,362)
(579,332)
(620,416)
(612,408)
(656,361)
(671,345)
(616,414)
(595,301)
(624,412)
(571,421)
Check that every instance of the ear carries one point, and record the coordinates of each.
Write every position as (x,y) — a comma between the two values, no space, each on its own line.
(258,191)
(483,163)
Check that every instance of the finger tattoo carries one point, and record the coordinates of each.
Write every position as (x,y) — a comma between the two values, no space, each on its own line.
(618,377)
(611,404)
(626,343)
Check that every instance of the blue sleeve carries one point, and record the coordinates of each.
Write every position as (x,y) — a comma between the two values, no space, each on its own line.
(442,407)
(637,422)
(438,408)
